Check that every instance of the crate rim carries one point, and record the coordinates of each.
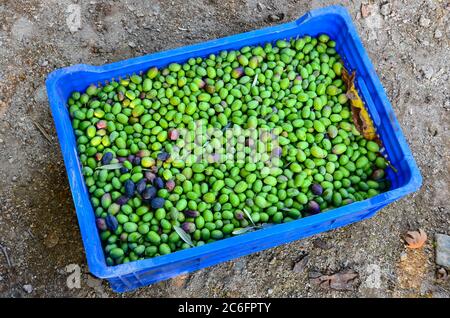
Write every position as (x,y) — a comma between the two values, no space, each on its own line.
(99,267)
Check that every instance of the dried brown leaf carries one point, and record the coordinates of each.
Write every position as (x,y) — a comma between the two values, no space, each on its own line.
(415,239)
(345,280)
(365,10)
(300,263)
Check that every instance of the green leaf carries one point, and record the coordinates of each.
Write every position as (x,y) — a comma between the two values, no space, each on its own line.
(243,230)
(184,236)
(112,166)
(249,217)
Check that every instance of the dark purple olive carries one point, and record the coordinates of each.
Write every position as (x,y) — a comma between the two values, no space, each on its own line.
(123,170)
(122,200)
(239,215)
(170,184)
(149,193)
(130,158)
(107,157)
(101,224)
(158,183)
(137,161)
(129,188)
(163,156)
(188,227)
(111,222)
(140,185)
(191,213)
(150,176)
(313,207)
(157,203)
(121,159)
(317,189)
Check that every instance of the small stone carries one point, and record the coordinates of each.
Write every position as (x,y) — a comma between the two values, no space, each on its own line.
(276,17)
(441,274)
(1,141)
(447,105)
(93,282)
(132,44)
(51,240)
(428,72)
(424,22)
(385,9)
(28,288)
(443,250)
(239,265)
(44,63)
(270,291)
(437,34)
(403,256)
(259,6)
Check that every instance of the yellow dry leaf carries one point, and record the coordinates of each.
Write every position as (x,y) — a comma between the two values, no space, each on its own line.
(361,118)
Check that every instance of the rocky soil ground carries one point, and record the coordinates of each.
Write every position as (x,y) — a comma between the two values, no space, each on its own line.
(40,244)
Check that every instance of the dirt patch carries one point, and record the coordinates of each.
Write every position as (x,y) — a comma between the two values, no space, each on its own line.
(412,270)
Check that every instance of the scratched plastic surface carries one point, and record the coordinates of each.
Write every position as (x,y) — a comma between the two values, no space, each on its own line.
(334,21)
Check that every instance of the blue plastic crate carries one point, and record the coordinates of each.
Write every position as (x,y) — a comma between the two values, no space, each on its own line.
(334,21)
